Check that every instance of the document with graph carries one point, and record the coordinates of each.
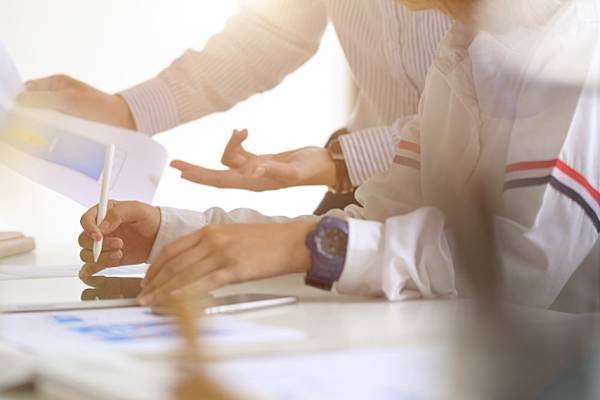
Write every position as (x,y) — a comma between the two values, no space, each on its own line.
(133,330)
(66,154)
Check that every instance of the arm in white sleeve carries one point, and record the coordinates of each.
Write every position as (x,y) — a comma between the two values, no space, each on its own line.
(258,47)
(176,223)
(397,248)
(550,220)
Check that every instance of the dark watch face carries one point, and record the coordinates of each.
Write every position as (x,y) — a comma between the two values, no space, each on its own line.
(333,242)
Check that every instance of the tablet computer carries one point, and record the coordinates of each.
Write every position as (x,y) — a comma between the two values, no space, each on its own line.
(58,294)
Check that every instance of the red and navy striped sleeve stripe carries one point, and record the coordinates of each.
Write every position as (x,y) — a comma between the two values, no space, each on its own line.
(560,176)
(408,154)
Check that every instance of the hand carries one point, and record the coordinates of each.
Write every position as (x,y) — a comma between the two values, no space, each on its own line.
(218,255)
(305,166)
(129,232)
(69,96)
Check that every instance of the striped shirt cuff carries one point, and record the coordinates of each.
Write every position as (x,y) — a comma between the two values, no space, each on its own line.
(153,106)
(367,153)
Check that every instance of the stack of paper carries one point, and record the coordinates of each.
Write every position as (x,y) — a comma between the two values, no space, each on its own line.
(12,243)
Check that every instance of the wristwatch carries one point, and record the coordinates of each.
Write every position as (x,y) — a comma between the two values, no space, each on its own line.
(327,243)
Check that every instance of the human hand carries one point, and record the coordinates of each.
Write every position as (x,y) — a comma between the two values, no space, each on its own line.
(218,255)
(69,96)
(305,166)
(129,232)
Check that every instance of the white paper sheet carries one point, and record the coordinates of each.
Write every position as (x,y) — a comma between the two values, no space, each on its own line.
(132,329)
(407,372)
(11,272)
(66,154)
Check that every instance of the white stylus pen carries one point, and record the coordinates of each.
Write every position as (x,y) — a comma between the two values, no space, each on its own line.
(103,205)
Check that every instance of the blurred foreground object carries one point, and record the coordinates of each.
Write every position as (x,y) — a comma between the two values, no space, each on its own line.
(194,382)
(13,243)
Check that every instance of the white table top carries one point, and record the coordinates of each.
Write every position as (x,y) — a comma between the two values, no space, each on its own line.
(329,321)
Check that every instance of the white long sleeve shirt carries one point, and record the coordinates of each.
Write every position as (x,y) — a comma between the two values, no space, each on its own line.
(514,112)
(389,50)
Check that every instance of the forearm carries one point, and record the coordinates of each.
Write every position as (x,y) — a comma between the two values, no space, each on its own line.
(257,48)
(176,223)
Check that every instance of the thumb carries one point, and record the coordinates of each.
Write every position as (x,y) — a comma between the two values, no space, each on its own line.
(234,155)
(52,83)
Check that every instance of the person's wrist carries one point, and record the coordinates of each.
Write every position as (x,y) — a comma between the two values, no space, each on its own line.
(330,171)
(123,115)
(301,252)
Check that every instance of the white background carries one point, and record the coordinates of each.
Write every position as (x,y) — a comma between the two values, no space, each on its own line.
(114,44)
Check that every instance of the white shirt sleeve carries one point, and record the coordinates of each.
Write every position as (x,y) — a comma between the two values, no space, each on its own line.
(176,223)
(258,47)
(397,248)
(550,220)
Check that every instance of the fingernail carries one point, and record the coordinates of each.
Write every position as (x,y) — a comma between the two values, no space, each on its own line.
(259,171)
(84,273)
(96,236)
(104,226)
(116,255)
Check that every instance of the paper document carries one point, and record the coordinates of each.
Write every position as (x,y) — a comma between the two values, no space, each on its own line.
(66,154)
(132,329)
(409,372)
(9,272)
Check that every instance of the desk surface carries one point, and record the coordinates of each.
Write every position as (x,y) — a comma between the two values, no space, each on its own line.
(329,321)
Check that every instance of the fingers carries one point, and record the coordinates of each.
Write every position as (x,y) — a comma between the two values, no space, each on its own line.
(202,276)
(234,155)
(90,269)
(52,100)
(169,252)
(51,92)
(182,165)
(174,267)
(88,223)
(109,244)
(211,281)
(119,212)
(110,258)
(231,179)
(53,83)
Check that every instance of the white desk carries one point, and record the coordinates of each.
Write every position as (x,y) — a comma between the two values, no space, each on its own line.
(336,322)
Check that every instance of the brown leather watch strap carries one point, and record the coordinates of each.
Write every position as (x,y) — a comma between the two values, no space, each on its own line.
(343,183)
